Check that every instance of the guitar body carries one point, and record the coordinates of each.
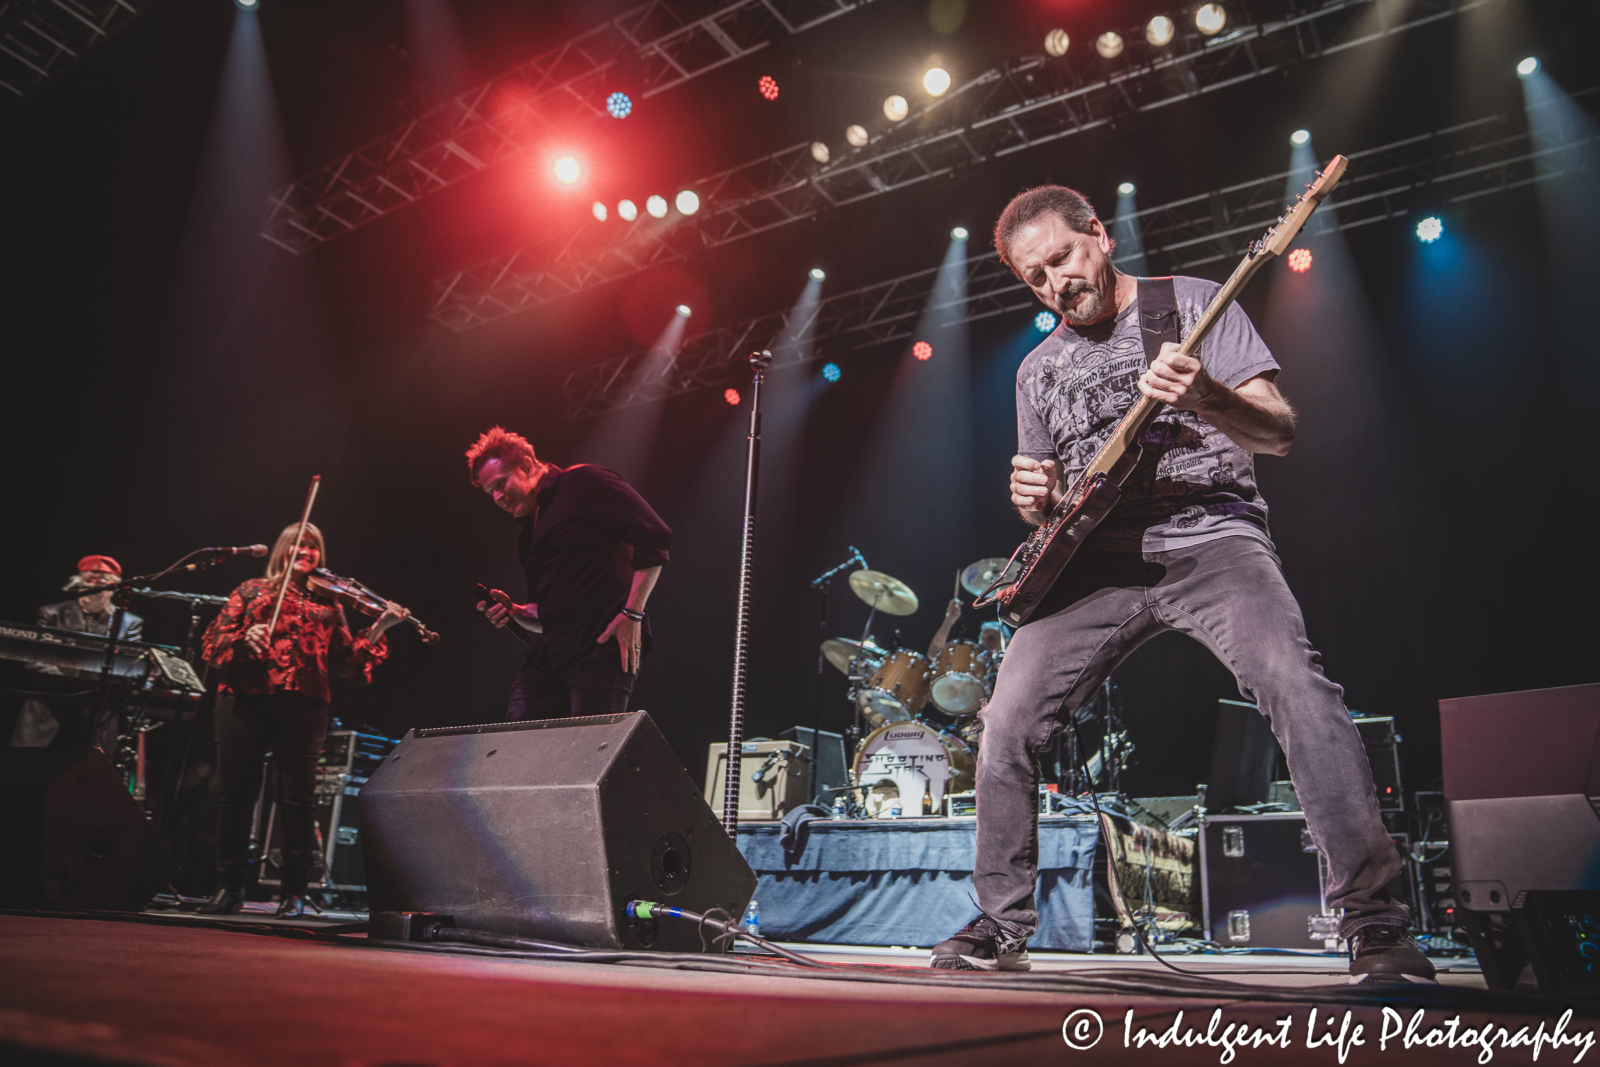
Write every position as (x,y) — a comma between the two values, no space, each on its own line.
(1046,554)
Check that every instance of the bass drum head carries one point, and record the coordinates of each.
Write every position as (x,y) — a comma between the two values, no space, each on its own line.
(912,760)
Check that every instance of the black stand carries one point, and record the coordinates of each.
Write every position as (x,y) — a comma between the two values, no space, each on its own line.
(759,361)
(823,583)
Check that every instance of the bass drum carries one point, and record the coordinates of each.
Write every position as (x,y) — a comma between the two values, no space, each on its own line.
(897,689)
(914,762)
(962,678)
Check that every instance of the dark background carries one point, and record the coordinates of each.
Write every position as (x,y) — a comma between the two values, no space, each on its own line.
(173,381)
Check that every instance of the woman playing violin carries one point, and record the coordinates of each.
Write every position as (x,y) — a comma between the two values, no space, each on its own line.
(274,695)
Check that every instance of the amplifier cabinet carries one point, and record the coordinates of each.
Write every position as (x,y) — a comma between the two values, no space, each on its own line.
(1260,882)
(338,864)
(785,778)
(1378,737)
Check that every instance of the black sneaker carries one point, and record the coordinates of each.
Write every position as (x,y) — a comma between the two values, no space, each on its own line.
(1385,953)
(981,945)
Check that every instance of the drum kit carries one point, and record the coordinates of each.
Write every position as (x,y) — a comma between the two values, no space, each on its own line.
(921,714)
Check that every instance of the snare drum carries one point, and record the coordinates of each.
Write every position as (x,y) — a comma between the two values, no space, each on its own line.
(961,680)
(897,689)
(910,761)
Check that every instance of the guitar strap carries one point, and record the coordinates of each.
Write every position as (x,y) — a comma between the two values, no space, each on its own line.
(1158,316)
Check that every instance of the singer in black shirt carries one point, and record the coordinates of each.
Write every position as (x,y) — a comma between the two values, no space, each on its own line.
(592,550)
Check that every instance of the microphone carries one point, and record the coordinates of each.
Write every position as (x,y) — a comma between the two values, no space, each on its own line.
(74,584)
(856,552)
(767,766)
(241,550)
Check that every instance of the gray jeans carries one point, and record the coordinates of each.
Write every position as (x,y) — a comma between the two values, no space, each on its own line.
(1230,595)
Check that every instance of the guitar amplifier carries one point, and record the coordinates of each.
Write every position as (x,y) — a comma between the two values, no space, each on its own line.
(785,778)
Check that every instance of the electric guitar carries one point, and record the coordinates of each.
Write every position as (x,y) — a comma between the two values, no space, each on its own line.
(1039,561)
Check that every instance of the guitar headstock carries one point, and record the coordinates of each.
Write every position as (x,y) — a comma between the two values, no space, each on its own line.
(1277,240)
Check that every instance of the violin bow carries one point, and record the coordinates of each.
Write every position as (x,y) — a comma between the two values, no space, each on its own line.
(288,569)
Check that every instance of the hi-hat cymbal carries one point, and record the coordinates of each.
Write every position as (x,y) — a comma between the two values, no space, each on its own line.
(887,594)
(840,651)
(976,578)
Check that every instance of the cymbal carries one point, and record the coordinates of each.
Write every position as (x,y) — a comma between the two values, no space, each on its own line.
(976,578)
(841,650)
(889,595)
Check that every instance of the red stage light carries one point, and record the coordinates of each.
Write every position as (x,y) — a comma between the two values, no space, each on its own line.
(732,397)
(1300,260)
(768,87)
(922,350)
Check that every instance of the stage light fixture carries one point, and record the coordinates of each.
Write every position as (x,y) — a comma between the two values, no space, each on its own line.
(1430,229)
(1210,19)
(895,108)
(767,87)
(731,396)
(1125,189)
(1109,45)
(856,135)
(1044,322)
(1160,30)
(1527,67)
(831,371)
(627,210)
(656,206)
(819,151)
(1300,137)
(1056,42)
(246,5)
(684,310)
(688,202)
(817,274)
(567,170)
(959,233)
(1300,260)
(922,350)
(619,105)
(599,210)
(936,81)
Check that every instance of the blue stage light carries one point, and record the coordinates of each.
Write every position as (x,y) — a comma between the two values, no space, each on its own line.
(1044,322)
(831,371)
(619,105)
(1430,230)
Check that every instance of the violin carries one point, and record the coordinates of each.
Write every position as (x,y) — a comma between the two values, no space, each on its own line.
(353,594)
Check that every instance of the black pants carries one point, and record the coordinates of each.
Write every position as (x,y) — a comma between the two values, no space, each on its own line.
(592,684)
(293,727)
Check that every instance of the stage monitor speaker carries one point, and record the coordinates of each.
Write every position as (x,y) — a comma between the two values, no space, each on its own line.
(547,829)
(1243,758)
(72,837)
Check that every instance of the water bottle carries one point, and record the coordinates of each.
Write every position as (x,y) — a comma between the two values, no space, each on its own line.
(840,810)
(893,811)
(752,918)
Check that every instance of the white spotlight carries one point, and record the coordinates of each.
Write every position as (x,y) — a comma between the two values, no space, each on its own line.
(627,210)
(657,206)
(959,233)
(683,309)
(599,210)
(817,274)
(936,81)
(895,108)
(1210,19)
(1527,67)
(247,5)
(688,202)
(1300,137)
(1056,42)
(1109,45)
(856,135)
(819,151)
(1160,30)
(1125,189)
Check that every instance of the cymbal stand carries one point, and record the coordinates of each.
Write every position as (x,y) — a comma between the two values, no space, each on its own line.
(823,583)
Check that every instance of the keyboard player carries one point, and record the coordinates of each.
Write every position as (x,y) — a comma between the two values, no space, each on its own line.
(42,725)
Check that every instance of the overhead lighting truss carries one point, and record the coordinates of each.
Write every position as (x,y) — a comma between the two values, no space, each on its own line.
(1447,166)
(41,38)
(1020,105)
(658,45)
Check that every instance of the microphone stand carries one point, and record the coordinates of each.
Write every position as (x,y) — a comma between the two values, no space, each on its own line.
(824,584)
(759,361)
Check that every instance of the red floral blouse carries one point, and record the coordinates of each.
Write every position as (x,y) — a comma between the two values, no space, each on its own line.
(312,639)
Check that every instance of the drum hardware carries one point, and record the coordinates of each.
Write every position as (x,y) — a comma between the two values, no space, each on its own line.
(823,583)
(914,763)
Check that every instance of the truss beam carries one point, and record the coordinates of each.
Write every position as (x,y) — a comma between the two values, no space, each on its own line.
(659,44)
(1024,104)
(41,38)
(1452,165)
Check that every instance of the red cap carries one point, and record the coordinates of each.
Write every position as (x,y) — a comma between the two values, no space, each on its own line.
(100,563)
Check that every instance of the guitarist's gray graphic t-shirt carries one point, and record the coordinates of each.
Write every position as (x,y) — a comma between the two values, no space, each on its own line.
(1193,484)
